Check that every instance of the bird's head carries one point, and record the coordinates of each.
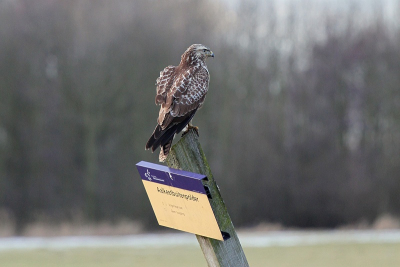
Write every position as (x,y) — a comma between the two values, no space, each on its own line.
(197,51)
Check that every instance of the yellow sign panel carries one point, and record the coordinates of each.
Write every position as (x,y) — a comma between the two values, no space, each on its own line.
(182,209)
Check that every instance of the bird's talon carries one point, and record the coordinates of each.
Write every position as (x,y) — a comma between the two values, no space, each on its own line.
(189,127)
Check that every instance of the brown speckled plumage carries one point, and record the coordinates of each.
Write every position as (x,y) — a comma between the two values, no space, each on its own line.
(181,91)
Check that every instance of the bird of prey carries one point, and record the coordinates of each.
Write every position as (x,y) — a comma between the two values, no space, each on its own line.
(181,91)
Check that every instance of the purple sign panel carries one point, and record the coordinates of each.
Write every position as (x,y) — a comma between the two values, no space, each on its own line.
(172,177)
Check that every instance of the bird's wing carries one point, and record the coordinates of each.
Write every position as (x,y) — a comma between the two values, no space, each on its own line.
(164,83)
(191,92)
(165,89)
(186,94)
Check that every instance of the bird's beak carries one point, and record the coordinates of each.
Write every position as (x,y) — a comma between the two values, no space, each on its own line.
(210,54)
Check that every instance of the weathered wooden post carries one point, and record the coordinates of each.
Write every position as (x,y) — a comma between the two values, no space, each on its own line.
(188,155)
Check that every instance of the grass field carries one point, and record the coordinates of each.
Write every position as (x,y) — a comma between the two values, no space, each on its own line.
(365,255)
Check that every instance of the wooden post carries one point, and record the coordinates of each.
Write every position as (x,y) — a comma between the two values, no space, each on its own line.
(188,155)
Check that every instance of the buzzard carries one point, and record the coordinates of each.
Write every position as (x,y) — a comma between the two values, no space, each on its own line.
(181,91)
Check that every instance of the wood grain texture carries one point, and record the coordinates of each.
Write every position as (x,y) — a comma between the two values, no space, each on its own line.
(188,155)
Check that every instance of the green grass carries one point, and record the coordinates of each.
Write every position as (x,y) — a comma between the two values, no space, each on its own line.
(365,255)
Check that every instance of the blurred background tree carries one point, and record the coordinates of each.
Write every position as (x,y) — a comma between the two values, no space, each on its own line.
(301,124)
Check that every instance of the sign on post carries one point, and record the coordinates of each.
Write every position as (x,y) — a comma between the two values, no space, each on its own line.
(179,199)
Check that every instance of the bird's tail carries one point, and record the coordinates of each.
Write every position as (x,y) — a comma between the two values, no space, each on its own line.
(164,151)
(152,139)
(162,138)
(155,139)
